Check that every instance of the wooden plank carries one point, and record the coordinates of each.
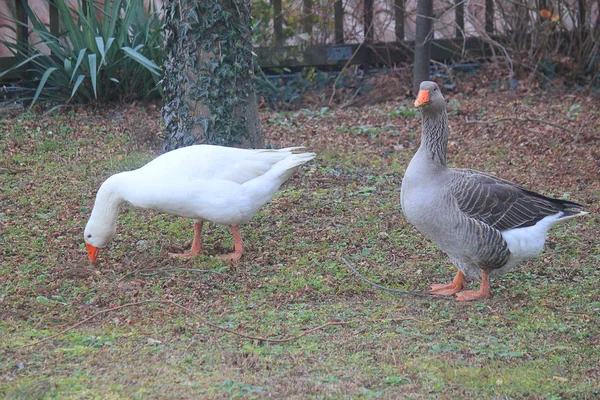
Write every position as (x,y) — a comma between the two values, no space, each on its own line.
(338,15)
(368,20)
(378,53)
(278,21)
(459,12)
(399,6)
(307,25)
(7,63)
(489,16)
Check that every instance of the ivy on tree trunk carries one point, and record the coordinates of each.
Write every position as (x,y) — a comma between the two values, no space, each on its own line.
(208,92)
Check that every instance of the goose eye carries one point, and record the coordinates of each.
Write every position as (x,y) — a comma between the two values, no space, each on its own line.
(89,236)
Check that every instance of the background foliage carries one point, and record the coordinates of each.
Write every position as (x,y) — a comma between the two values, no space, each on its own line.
(104,54)
(116,57)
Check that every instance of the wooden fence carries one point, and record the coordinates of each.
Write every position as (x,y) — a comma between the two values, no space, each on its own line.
(22,32)
(367,52)
(338,53)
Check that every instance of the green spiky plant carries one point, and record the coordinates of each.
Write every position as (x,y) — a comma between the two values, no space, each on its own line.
(99,54)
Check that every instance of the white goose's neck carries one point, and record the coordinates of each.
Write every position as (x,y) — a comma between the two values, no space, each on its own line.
(108,200)
(434,139)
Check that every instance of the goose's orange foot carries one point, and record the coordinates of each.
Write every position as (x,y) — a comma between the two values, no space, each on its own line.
(449,289)
(469,295)
(484,291)
(233,258)
(458,284)
(240,247)
(196,244)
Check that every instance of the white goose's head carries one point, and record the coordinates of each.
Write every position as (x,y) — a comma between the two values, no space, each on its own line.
(430,97)
(102,225)
(96,235)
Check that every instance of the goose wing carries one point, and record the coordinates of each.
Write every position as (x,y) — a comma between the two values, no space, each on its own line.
(214,162)
(501,204)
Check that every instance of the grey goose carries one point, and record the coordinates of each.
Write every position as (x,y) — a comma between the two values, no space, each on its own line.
(486,225)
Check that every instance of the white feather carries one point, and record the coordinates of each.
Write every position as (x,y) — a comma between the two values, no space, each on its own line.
(528,242)
(218,184)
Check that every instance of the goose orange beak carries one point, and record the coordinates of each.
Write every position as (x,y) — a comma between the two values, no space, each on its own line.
(92,252)
(422,98)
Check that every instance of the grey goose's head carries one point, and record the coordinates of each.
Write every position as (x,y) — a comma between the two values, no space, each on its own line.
(430,97)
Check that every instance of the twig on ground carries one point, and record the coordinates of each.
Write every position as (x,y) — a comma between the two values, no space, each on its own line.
(149,272)
(88,319)
(43,289)
(203,320)
(155,271)
(12,171)
(522,119)
(206,322)
(66,274)
(80,272)
(411,319)
(396,291)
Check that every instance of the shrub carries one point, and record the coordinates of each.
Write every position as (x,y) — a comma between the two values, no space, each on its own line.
(99,54)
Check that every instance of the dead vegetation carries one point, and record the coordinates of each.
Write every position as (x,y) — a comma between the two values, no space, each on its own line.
(536,338)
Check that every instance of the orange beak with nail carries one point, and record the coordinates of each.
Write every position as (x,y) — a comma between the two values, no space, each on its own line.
(422,98)
(92,252)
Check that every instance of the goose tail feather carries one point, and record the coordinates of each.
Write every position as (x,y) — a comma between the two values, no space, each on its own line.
(569,209)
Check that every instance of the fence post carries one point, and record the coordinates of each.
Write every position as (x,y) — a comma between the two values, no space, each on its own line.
(307,24)
(423,37)
(53,17)
(278,22)
(338,16)
(581,14)
(489,16)
(22,30)
(368,19)
(399,18)
(460,17)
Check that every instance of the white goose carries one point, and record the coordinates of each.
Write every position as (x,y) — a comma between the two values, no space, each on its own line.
(207,183)
(486,225)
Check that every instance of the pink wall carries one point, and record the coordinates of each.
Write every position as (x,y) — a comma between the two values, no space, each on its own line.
(40,7)
(383,17)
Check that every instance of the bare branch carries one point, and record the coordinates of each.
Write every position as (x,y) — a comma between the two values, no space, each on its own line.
(396,291)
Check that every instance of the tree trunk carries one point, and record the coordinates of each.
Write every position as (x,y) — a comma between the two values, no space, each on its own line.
(423,37)
(208,92)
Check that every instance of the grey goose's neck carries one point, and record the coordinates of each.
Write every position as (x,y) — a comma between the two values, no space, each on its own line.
(434,139)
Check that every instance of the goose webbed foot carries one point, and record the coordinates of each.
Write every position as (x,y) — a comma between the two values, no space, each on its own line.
(240,247)
(450,289)
(196,243)
(233,258)
(484,291)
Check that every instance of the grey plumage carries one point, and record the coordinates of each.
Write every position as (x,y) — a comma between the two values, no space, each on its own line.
(485,224)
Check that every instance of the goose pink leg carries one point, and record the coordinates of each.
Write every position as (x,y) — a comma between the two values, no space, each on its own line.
(484,291)
(458,284)
(196,243)
(240,248)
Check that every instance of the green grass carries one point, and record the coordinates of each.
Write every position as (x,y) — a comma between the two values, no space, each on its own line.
(537,338)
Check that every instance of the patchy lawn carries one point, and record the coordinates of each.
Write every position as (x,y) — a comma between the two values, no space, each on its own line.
(537,338)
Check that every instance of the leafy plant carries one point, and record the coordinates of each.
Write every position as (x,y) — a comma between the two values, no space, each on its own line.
(101,54)
(403,112)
